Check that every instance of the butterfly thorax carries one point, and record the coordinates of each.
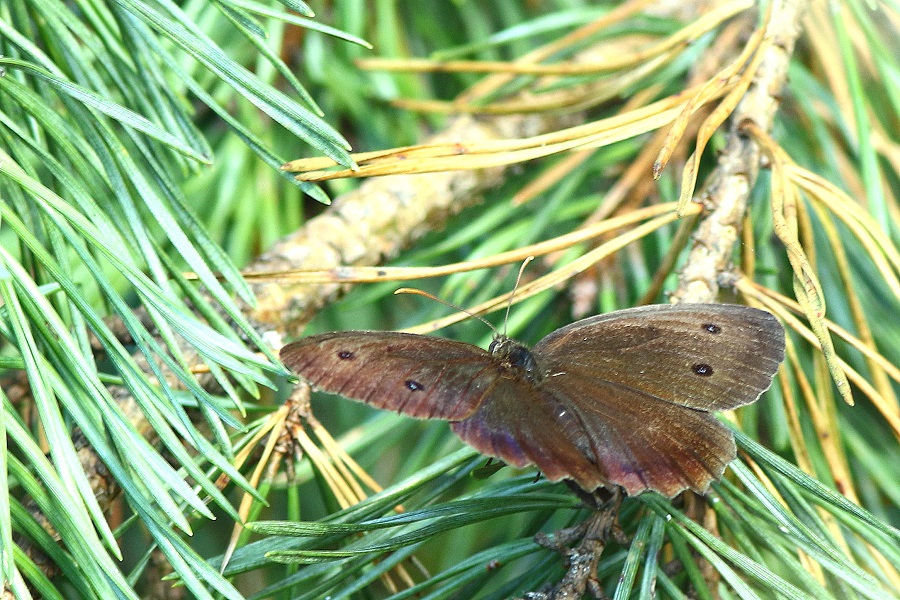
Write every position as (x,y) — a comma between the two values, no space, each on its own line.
(516,358)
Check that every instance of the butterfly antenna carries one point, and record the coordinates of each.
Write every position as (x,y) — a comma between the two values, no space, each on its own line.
(445,303)
(513,293)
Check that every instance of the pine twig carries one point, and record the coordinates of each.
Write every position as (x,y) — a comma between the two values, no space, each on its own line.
(728,188)
(581,576)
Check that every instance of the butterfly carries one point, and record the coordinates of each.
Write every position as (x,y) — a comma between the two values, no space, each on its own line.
(620,399)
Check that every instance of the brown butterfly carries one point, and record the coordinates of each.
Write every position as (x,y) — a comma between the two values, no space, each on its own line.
(624,398)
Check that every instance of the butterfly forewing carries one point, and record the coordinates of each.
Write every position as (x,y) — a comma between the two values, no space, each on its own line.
(706,356)
(420,376)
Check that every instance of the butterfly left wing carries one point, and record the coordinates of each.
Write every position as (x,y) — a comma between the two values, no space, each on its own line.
(421,376)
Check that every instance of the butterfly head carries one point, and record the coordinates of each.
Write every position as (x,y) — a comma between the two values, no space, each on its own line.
(515,357)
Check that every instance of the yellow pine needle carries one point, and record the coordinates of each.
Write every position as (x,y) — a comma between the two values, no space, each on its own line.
(557,277)
(351,274)
(782,307)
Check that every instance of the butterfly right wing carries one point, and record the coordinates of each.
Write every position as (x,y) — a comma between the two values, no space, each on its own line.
(420,376)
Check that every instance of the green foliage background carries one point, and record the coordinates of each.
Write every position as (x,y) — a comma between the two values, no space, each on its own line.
(139,140)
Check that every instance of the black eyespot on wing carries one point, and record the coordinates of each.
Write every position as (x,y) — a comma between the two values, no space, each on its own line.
(345,355)
(414,386)
(702,370)
(712,328)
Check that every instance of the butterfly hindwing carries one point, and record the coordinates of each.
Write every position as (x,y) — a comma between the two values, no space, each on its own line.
(598,433)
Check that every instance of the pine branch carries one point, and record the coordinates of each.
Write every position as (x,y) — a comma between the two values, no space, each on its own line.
(373,223)
(729,186)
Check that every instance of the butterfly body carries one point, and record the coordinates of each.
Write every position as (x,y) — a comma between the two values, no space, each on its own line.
(624,398)
(516,358)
